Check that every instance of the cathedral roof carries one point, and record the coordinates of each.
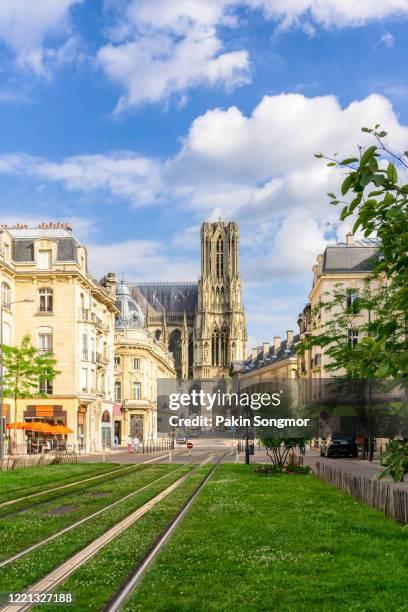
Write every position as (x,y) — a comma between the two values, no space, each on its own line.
(130,312)
(171,297)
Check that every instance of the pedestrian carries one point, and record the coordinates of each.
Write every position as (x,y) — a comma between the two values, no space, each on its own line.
(116,441)
(130,444)
(136,443)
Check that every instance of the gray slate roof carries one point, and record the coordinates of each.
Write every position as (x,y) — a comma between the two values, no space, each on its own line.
(23,243)
(271,357)
(349,258)
(172,297)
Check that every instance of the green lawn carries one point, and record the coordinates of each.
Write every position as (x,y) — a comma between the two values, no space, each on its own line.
(19,531)
(23,481)
(25,571)
(96,581)
(286,543)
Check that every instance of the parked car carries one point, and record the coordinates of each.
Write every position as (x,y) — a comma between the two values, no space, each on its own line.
(339,445)
(194,434)
(181,439)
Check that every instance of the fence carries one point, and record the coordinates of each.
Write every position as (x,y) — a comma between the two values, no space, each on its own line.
(384,496)
(13,462)
(155,446)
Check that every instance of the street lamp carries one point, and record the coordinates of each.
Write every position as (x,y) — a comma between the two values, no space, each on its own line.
(2,306)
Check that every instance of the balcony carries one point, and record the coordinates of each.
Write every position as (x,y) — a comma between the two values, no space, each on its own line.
(85,354)
(101,359)
(85,314)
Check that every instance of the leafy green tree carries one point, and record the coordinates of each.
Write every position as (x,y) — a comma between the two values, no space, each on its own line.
(278,449)
(25,371)
(379,205)
(396,460)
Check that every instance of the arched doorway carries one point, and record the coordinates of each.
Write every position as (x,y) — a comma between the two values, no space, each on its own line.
(106,429)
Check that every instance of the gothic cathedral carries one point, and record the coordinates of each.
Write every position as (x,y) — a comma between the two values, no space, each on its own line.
(202,324)
(219,326)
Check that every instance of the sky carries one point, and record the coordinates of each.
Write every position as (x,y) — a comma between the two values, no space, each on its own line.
(137,120)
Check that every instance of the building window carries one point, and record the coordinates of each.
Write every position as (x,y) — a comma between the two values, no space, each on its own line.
(45,341)
(117,361)
(45,260)
(136,363)
(84,346)
(46,387)
(136,390)
(157,334)
(352,300)
(220,257)
(352,337)
(5,295)
(84,379)
(46,300)
(118,391)
(219,348)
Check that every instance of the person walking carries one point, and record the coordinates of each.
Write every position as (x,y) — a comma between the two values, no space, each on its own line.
(130,444)
(136,444)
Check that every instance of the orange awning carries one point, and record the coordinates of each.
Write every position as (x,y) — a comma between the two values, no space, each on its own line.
(62,429)
(18,425)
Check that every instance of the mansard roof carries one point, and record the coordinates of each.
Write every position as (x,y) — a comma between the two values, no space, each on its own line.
(24,238)
(355,258)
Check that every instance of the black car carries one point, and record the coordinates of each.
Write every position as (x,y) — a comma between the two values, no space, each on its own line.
(339,445)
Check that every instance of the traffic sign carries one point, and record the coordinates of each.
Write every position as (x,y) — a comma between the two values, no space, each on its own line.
(189,445)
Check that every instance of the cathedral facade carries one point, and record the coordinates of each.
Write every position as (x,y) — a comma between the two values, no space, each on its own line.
(202,324)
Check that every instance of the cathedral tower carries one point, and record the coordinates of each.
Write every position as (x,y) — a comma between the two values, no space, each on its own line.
(219,330)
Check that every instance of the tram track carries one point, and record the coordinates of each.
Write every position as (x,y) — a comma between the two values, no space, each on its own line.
(61,573)
(65,530)
(123,592)
(118,472)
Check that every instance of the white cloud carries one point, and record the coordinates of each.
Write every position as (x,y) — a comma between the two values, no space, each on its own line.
(27,25)
(257,169)
(387,39)
(160,48)
(140,260)
(123,174)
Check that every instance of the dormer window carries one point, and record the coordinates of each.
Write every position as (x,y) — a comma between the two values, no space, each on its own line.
(45,259)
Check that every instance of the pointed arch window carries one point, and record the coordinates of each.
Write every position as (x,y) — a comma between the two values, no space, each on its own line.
(219,348)
(220,257)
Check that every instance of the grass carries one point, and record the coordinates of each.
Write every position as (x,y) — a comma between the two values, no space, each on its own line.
(22,481)
(25,571)
(62,494)
(285,543)
(96,581)
(20,531)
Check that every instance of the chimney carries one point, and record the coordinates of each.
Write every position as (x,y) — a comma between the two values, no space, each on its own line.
(276,344)
(254,354)
(265,347)
(349,239)
(289,337)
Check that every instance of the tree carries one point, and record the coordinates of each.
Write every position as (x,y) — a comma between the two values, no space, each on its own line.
(379,205)
(25,370)
(396,460)
(278,449)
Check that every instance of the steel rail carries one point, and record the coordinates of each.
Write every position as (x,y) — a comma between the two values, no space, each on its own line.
(123,593)
(63,571)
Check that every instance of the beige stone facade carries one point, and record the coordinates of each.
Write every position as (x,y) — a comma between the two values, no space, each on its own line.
(70,315)
(343,267)
(140,359)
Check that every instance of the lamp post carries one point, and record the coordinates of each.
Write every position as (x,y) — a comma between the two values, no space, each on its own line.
(2,306)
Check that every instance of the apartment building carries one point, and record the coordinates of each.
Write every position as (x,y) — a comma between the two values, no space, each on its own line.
(48,293)
(140,359)
(343,267)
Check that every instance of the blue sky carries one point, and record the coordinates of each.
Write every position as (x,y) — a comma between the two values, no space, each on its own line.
(136,120)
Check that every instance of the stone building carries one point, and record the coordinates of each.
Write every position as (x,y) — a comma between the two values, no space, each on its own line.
(269,361)
(48,293)
(348,265)
(202,324)
(140,359)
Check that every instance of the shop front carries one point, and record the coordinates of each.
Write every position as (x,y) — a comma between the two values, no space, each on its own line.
(106,430)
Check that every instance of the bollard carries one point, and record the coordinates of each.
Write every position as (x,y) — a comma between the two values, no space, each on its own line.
(237,457)
(170,456)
